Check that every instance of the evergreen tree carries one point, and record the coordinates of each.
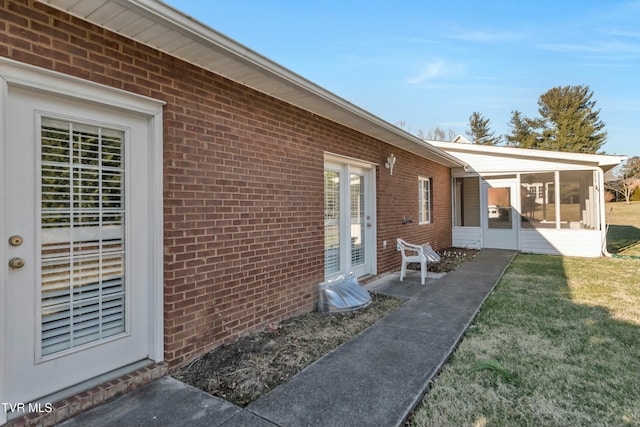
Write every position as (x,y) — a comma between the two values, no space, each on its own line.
(569,120)
(523,131)
(479,131)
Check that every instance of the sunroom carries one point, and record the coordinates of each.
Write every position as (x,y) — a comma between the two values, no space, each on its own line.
(529,200)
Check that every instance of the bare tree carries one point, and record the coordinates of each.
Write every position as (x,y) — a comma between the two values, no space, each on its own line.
(622,181)
(437,134)
(403,125)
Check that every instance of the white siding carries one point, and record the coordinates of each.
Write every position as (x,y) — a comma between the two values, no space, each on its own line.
(581,243)
(471,202)
(467,237)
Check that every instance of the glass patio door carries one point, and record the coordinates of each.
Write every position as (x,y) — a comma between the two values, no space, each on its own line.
(348,218)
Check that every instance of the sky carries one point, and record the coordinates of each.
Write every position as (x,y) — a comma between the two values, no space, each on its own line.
(432,63)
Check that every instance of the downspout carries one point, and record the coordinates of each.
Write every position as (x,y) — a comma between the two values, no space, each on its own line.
(605,252)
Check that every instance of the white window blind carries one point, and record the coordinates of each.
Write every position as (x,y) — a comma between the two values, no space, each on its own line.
(357,219)
(83,234)
(331,222)
(424,200)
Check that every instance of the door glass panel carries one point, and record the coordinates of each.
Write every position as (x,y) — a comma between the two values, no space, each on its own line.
(331,222)
(358,221)
(499,200)
(83,243)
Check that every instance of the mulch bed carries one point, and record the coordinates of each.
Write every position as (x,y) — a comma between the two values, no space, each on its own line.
(248,368)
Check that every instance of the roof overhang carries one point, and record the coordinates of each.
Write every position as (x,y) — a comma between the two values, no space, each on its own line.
(605,162)
(166,29)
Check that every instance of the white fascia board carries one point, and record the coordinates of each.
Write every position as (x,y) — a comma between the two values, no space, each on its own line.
(601,160)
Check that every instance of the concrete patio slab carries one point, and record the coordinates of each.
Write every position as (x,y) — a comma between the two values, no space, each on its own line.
(409,287)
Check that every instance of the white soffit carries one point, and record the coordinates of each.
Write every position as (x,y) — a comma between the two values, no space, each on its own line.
(162,27)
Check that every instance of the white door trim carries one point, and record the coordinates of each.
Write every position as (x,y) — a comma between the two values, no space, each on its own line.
(13,73)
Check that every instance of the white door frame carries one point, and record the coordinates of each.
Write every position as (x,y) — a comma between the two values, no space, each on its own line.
(13,73)
(346,166)
(500,238)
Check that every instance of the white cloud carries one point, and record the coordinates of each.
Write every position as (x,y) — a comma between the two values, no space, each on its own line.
(436,69)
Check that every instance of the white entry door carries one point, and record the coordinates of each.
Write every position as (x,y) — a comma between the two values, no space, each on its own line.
(500,217)
(349,219)
(76,230)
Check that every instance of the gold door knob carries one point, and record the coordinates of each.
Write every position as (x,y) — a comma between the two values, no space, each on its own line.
(16,263)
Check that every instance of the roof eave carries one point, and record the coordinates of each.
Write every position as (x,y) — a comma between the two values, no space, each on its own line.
(604,161)
(198,44)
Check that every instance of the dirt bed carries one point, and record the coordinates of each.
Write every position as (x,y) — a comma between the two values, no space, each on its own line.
(248,368)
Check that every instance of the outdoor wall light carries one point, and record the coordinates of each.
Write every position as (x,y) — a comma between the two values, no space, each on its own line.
(391,161)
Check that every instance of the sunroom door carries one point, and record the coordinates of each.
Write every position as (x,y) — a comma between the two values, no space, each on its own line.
(349,220)
(500,218)
(77,242)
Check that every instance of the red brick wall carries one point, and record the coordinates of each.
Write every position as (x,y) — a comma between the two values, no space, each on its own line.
(398,199)
(243,181)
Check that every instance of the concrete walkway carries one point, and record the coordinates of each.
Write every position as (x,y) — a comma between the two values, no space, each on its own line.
(376,379)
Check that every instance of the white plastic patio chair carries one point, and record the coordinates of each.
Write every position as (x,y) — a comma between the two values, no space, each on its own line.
(418,254)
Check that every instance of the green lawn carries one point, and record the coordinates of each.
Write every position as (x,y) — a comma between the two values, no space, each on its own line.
(623,236)
(556,344)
